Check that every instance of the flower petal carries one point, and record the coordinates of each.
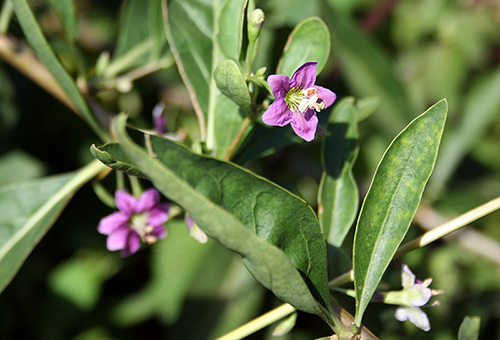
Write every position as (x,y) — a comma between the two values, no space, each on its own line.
(407,277)
(327,96)
(279,84)
(133,245)
(118,239)
(126,202)
(278,114)
(415,315)
(417,295)
(305,124)
(158,215)
(305,76)
(111,222)
(159,232)
(148,200)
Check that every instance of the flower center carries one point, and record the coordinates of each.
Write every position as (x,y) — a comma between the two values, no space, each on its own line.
(139,223)
(301,100)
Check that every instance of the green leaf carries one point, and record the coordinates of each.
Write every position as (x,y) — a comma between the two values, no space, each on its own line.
(230,34)
(231,83)
(141,21)
(114,157)
(338,193)
(66,12)
(481,107)
(247,214)
(198,46)
(392,200)
(368,71)
(28,210)
(469,329)
(309,41)
(37,40)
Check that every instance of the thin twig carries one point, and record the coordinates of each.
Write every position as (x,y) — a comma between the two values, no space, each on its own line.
(434,234)
(237,139)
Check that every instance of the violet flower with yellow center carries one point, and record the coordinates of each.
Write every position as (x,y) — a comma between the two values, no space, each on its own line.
(297,101)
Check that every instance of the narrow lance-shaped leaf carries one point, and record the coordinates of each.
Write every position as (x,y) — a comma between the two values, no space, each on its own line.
(245,213)
(338,193)
(200,36)
(392,200)
(309,41)
(28,210)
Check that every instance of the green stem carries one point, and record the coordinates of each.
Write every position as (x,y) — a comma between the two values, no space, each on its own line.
(120,180)
(5,17)
(135,186)
(237,139)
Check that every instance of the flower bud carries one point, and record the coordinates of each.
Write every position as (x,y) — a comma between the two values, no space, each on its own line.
(255,22)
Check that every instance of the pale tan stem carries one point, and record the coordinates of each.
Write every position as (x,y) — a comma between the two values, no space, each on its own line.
(449,227)
(237,139)
(434,234)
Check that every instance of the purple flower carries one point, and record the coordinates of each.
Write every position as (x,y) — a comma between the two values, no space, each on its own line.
(297,101)
(136,220)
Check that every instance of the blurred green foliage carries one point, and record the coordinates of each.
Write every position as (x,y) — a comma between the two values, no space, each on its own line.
(408,53)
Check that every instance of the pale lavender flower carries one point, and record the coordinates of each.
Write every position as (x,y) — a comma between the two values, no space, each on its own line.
(297,101)
(415,294)
(137,219)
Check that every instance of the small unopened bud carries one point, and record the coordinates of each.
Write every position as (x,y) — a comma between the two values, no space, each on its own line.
(260,72)
(255,22)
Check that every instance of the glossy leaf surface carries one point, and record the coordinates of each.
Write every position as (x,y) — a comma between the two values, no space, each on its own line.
(392,200)
(273,230)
